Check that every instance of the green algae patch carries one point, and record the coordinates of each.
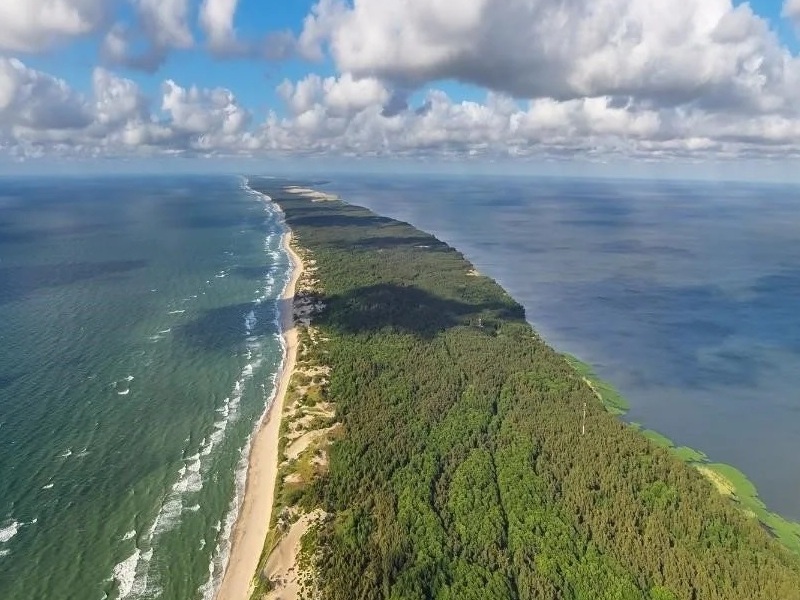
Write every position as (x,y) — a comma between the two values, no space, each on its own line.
(689,455)
(613,401)
(658,439)
(734,484)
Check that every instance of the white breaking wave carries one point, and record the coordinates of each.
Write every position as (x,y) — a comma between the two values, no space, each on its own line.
(250,322)
(189,481)
(9,531)
(125,574)
(129,536)
(221,554)
(134,575)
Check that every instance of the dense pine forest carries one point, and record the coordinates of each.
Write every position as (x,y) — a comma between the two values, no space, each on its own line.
(461,471)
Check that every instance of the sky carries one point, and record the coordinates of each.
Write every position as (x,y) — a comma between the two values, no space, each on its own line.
(651,86)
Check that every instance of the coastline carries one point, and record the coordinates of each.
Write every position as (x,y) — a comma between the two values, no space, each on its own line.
(252,523)
(729,481)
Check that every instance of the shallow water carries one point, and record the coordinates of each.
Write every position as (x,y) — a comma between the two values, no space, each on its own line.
(138,346)
(684,295)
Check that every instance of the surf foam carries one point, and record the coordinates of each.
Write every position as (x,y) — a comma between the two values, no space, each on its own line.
(9,531)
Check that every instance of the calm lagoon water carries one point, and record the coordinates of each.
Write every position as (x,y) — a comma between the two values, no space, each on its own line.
(682,294)
(138,346)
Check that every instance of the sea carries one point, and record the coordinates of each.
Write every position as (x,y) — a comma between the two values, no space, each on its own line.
(139,343)
(685,295)
(139,346)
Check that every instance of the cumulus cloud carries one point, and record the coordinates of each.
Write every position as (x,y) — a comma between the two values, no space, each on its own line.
(562,78)
(663,51)
(212,115)
(33,100)
(216,18)
(35,25)
(791,9)
(341,96)
(347,116)
(166,22)
(41,114)
(161,26)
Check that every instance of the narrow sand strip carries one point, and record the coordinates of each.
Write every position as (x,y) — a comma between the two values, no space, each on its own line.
(256,510)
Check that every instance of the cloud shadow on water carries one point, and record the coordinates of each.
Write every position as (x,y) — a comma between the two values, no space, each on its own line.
(19,282)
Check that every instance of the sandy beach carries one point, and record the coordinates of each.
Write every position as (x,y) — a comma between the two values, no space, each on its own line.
(252,524)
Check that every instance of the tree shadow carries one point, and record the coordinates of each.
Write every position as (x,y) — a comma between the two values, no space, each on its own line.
(19,282)
(338,220)
(386,242)
(410,309)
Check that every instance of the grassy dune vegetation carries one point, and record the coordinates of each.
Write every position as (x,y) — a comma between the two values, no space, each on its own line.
(460,471)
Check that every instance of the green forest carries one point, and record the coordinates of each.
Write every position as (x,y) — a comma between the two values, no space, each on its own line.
(461,471)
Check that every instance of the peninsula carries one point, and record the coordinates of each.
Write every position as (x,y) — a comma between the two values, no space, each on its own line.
(433,446)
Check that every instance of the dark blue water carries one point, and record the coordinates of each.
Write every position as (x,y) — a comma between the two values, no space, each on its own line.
(683,294)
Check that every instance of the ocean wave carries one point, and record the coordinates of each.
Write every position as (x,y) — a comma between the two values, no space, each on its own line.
(189,482)
(125,574)
(221,555)
(129,536)
(250,322)
(8,531)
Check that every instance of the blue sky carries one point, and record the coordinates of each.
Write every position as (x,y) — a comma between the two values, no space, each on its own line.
(466,81)
(254,81)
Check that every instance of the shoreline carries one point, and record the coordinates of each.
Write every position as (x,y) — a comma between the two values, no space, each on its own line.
(728,480)
(255,513)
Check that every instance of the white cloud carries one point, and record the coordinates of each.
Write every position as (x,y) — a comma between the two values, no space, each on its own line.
(791,10)
(206,119)
(217,18)
(117,100)
(33,100)
(340,96)
(35,25)
(662,51)
(41,115)
(350,115)
(160,26)
(166,22)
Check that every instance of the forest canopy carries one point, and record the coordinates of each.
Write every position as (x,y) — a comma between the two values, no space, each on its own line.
(462,472)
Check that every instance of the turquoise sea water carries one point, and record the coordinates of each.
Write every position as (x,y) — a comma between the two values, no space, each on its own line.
(138,346)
